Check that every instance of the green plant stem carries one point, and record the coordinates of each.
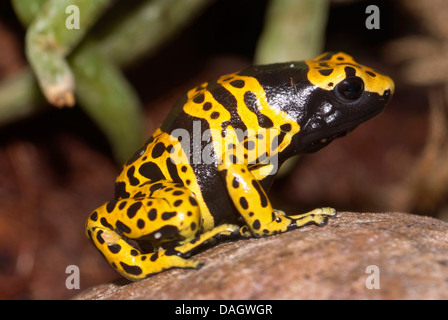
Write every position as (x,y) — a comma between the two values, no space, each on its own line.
(117,44)
(26,10)
(20,97)
(49,41)
(148,26)
(294,30)
(102,90)
(108,99)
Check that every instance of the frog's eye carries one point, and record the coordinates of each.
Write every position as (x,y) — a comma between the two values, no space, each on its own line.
(350,89)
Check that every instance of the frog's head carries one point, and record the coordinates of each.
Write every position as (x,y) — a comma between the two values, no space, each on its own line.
(344,94)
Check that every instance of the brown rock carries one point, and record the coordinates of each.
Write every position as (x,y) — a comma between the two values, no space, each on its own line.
(411,253)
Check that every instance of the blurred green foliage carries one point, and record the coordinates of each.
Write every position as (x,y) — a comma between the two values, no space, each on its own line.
(75,65)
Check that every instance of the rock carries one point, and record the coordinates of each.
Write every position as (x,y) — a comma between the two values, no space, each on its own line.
(410,254)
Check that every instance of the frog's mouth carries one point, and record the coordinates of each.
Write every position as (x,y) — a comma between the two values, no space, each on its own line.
(327,140)
(321,133)
(320,143)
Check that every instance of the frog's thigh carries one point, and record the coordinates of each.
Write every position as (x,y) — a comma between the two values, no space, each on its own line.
(254,206)
(163,211)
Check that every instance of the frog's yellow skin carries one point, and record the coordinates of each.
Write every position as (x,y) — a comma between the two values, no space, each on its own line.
(205,171)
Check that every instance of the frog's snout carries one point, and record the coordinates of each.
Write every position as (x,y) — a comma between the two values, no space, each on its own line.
(388,93)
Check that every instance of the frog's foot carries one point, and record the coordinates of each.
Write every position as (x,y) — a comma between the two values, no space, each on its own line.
(245,232)
(186,247)
(281,222)
(317,216)
(252,203)
(131,262)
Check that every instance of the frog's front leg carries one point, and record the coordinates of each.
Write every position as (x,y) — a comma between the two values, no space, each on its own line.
(254,206)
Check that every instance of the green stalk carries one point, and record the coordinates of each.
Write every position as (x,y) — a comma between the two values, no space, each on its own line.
(101,90)
(147,27)
(294,30)
(50,38)
(108,99)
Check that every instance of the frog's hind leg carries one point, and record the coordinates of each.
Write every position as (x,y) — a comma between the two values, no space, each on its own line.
(129,261)
(164,214)
(110,236)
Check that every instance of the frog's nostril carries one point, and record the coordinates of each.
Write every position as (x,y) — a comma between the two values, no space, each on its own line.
(387,95)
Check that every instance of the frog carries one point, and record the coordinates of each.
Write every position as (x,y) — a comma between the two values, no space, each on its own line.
(205,173)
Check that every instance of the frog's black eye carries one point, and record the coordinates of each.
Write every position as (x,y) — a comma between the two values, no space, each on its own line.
(350,89)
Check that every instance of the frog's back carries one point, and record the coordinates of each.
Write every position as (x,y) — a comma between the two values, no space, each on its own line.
(202,124)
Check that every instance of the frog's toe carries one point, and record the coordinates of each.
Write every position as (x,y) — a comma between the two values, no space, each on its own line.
(320,221)
(327,211)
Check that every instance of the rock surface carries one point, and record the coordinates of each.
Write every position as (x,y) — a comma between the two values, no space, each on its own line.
(411,253)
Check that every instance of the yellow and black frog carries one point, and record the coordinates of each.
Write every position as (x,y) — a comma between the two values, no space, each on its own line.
(206,171)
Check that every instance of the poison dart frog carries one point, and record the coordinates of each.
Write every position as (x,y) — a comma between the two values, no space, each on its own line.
(206,170)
